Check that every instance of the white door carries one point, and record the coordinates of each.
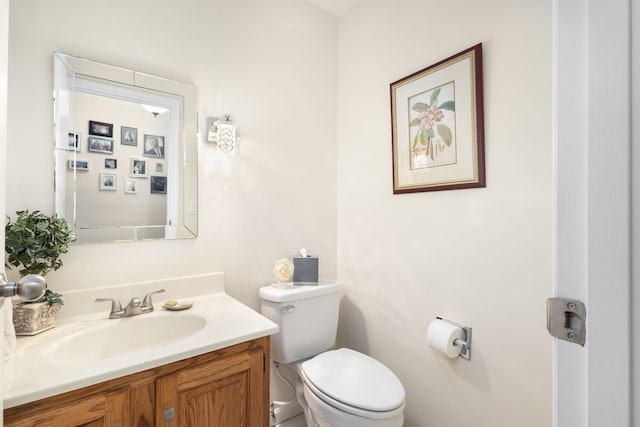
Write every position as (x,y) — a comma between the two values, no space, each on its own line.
(635,207)
(4,41)
(593,208)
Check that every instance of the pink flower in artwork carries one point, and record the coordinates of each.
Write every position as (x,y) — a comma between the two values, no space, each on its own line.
(432,136)
(417,151)
(430,117)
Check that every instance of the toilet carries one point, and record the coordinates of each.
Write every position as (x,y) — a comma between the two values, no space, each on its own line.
(336,387)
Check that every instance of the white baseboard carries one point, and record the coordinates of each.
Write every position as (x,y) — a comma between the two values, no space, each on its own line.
(283,413)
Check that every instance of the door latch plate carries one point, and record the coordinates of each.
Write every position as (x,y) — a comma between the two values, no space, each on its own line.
(567,319)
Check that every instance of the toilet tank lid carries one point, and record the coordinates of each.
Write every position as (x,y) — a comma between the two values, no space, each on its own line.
(355,379)
(324,287)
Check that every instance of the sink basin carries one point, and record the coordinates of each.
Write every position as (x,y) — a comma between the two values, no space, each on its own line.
(120,337)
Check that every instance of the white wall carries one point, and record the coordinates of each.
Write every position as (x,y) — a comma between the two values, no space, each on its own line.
(270,64)
(93,207)
(481,257)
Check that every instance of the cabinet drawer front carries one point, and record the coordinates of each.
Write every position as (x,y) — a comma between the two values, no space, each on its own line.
(213,371)
(90,412)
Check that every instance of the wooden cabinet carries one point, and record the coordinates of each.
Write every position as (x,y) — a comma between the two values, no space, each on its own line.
(224,393)
(225,388)
(95,411)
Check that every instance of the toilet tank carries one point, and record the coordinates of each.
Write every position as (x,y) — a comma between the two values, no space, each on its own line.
(307,317)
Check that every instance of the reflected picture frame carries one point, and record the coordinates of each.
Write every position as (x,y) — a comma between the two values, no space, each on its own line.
(153,146)
(128,136)
(138,167)
(111,163)
(158,184)
(80,165)
(437,126)
(75,141)
(131,186)
(100,129)
(108,181)
(100,145)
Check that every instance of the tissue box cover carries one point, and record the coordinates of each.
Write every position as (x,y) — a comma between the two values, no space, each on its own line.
(305,270)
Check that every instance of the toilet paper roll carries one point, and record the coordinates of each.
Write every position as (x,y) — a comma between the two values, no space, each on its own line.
(441,335)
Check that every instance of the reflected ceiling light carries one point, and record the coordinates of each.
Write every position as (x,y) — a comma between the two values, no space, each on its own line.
(154,109)
(223,132)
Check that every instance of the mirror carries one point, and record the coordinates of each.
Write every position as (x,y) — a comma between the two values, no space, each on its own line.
(126,155)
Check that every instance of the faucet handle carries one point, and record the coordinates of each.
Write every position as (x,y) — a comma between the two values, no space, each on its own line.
(116,307)
(147,299)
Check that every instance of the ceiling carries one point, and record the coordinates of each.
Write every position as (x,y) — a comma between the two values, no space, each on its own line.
(334,7)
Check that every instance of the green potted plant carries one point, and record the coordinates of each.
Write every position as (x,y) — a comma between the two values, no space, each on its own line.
(34,243)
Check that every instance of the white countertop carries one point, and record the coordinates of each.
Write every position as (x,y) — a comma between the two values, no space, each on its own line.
(34,374)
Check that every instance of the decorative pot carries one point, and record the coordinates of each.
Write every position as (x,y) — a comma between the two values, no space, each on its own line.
(31,319)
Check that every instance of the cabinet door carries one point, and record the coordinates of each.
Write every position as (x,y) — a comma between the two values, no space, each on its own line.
(98,411)
(227,392)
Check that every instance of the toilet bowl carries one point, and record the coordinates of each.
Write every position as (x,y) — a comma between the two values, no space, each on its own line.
(346,388)
(336,388)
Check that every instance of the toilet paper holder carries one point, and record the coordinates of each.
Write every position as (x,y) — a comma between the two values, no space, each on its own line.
(465,342)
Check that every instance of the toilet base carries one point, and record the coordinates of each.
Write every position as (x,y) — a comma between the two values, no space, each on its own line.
(320,414)
(308,415)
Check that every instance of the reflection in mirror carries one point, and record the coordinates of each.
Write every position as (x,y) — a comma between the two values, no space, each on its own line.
(125,152)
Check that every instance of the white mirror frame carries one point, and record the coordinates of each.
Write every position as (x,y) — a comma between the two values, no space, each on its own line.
(71,75)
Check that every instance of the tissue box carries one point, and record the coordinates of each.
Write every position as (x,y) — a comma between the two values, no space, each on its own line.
(305,270)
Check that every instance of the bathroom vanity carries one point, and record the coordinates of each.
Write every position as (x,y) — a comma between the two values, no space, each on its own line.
(230,386)
(166,368)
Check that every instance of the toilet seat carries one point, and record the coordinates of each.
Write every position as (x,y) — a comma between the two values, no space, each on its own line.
(355,383)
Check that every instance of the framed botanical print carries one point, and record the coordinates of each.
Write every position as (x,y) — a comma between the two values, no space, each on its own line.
(437,122)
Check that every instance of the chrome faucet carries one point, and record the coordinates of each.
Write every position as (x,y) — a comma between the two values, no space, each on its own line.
(134,307)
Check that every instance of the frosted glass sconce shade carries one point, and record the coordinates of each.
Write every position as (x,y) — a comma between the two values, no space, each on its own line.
(223,132)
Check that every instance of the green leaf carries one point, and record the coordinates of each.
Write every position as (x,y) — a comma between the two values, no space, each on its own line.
(424,138)
(434,97)
(445,134)
(448,105)
(419,107)
(416,140)
(414,122)
(35,241)
(431,150)
(431,133)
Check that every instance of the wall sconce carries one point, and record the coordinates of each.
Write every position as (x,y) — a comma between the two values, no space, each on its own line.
(223,132)
(154,110)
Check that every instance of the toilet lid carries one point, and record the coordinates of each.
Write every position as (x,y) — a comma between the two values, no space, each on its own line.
(355,379)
